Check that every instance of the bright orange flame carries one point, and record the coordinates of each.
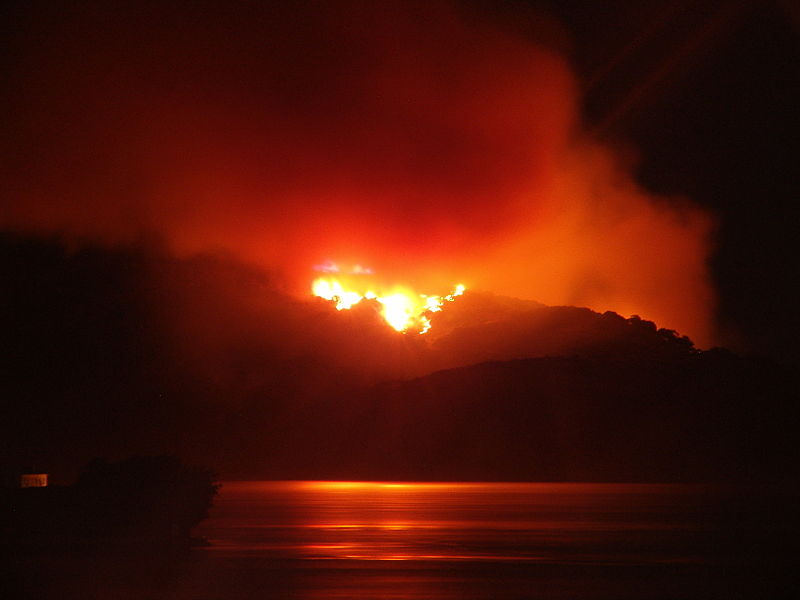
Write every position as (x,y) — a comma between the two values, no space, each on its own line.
(402,308)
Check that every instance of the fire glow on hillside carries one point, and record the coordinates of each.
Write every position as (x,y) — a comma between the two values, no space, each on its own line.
(262,152)
(402,308)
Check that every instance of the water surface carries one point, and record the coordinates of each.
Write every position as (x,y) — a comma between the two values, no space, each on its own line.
(477,522)
(433,541)
(495,540)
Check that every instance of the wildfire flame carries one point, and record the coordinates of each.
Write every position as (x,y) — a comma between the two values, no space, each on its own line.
(403,309)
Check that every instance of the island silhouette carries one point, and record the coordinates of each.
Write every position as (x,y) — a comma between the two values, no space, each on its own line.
(145,502)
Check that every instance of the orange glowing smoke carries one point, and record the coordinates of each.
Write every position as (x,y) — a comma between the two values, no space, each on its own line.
(402,308)
(438,146)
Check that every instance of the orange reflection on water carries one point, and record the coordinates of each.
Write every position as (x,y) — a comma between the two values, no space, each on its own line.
(370,486)
(395,526)
(404,521)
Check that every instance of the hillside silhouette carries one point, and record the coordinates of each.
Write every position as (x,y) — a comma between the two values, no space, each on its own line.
(711,416)
(131,350)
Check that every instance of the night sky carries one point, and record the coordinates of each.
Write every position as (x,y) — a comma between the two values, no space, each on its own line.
(706,93)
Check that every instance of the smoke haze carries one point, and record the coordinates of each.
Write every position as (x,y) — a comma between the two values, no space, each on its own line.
(411,137)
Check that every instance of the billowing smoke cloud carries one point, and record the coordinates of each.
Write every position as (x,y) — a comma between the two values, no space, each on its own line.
(411,137)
